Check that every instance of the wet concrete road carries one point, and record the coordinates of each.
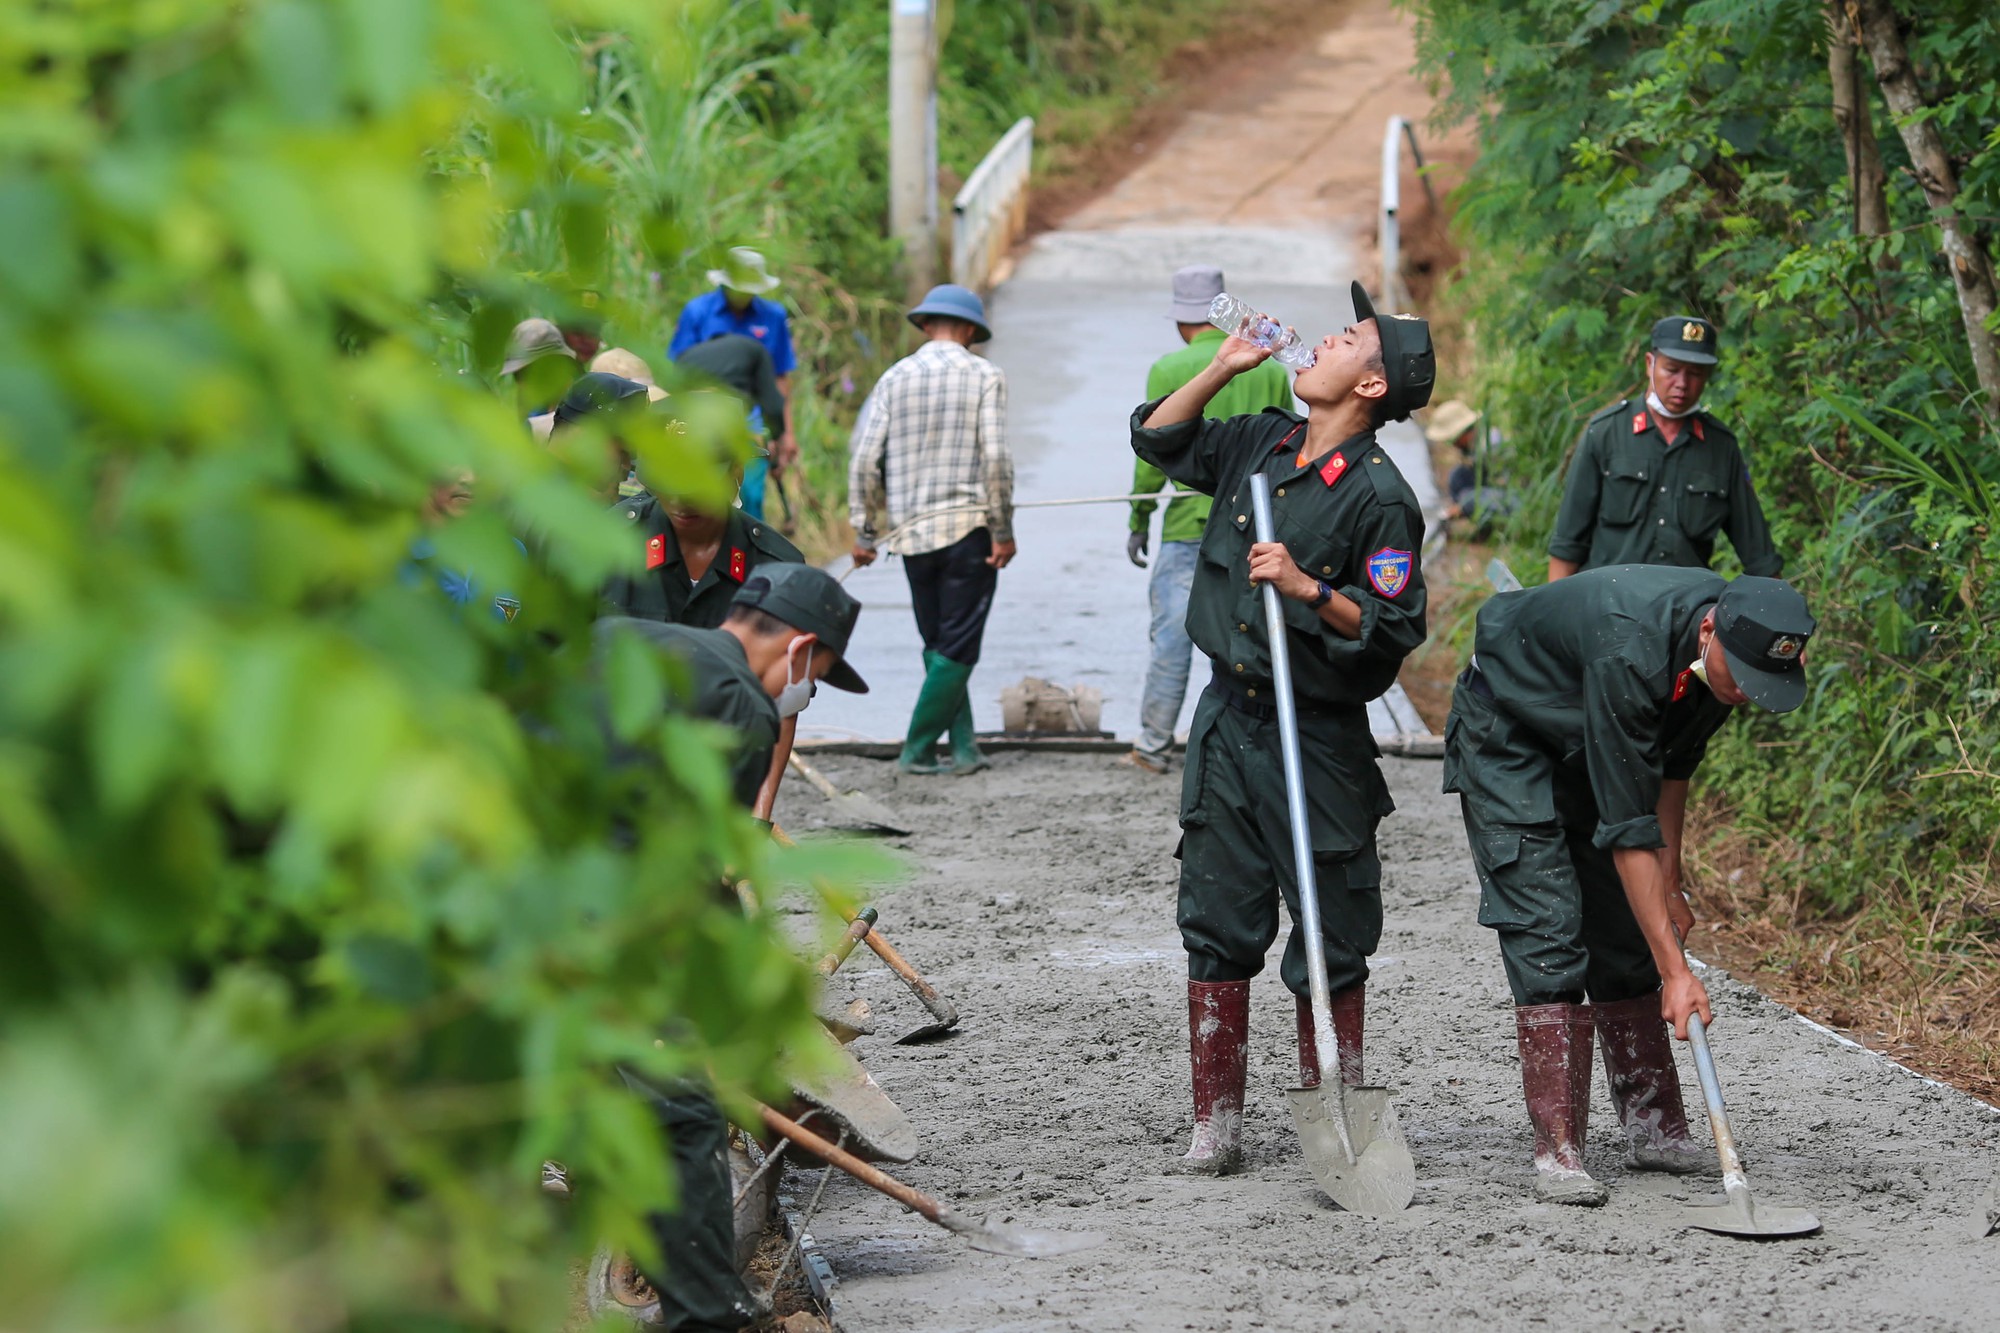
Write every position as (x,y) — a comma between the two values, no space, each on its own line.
(1075,329)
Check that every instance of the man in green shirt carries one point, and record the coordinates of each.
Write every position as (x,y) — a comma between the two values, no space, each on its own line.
(1180,529)
(1586,709)
(1345,563)
(787,628)
(1654,482)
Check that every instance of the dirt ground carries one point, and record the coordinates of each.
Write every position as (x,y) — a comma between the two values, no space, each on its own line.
(1044,907)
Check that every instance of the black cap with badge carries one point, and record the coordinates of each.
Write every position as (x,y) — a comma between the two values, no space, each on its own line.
(1687,338)
(811,601)
(1408,362)
(1763,626)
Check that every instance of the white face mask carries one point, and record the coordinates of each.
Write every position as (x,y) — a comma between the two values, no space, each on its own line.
(792,700)
(1660,408)
(1700,669)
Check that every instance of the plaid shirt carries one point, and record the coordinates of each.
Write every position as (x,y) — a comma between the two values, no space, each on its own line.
(932,436)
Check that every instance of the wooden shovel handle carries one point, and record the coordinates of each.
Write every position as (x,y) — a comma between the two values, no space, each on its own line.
(868,1175)
(810,774)
(940,1008)
(857,930)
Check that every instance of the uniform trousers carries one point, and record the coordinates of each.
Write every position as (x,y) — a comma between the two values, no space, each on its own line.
(951,591)
(1551,893)
(699,1290)
(1237,861)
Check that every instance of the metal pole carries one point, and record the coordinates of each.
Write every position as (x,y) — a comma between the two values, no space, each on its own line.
(913,141)
(1295,804)
(1392,200)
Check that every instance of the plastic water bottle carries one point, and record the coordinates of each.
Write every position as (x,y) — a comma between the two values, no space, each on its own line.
(1240,319)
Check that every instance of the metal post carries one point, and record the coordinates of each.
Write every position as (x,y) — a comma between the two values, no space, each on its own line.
(1392,200)
(913,212)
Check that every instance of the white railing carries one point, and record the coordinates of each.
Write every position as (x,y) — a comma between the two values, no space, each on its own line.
(1394,295)
(990,212)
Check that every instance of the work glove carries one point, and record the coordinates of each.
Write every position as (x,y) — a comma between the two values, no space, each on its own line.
(1135,549)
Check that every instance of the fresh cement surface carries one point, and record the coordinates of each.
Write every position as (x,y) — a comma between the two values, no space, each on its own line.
(1041,901)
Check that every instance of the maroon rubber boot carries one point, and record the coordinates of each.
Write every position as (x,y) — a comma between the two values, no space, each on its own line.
(1555,1073)
(1645,1086)
(1219,1050)
(1348,1006)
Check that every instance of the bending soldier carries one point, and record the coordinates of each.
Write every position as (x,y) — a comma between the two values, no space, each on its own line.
(1586,709)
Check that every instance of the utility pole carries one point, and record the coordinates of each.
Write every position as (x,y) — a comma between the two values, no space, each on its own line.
(913,193)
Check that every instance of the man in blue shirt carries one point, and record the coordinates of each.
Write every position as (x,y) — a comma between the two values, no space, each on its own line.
(739,305)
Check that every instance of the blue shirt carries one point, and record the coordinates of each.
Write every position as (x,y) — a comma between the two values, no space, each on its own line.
(710,314)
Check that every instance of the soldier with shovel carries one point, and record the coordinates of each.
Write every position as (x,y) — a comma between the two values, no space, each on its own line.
(1345,562)
(1586,709)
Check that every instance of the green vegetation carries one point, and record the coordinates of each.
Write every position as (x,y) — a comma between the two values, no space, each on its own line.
(323,919)
(1642,160)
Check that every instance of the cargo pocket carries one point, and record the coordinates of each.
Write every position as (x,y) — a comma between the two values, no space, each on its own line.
(1194,772)
(1497,855)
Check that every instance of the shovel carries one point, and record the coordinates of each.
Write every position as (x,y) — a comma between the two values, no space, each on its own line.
(1740,1216)
(992,1237)
(944,1014)
(851,809)
(1350,1135)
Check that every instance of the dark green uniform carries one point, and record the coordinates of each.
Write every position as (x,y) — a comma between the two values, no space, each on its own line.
(1360,534)
(725,691)
(700,1288)
(1632,499)
(662,591)
(1578,706)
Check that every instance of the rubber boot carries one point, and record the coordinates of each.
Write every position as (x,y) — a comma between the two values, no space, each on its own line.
(1555,1073)
(966,756)
(1646,1087)
(1347,1006)
(937,704)
(1219,1051)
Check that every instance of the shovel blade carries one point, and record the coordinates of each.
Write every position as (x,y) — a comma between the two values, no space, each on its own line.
(928,1032)
(1017,1242)
(1742,1216)
(1381,1179)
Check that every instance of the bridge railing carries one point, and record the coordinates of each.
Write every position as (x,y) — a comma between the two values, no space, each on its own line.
(1398,131)
(992,209)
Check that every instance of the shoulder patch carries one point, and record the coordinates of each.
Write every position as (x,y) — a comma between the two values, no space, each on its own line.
(1390,485)
(1389,571)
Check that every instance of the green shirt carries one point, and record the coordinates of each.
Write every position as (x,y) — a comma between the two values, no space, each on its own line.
(1359,534)
(722,689)
(1596,666)
(1249,393)
(1632,499)
(662,590)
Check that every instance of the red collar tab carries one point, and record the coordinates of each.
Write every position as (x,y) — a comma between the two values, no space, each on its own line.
(1638,423)
(1696,423)
(739,565)
(1335,467)
(1681,684)
(656,551)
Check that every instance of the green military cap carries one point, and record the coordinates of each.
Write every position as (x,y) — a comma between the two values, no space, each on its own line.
(811,601)
(1685,338)
(1408,361)
(1763,625)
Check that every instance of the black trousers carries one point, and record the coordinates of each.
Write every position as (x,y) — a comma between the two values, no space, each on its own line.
(700,1291)
(952,592)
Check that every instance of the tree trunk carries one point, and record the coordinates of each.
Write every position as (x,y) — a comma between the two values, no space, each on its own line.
(1971,267)
(1856,120)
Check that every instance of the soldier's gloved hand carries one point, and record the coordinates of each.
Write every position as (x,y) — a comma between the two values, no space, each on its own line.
(1135,549)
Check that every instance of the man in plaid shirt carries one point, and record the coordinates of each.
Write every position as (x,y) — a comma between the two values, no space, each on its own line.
(931,451)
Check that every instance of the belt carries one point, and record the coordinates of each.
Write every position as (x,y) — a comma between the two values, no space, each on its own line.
(1263,706)
(1475,680)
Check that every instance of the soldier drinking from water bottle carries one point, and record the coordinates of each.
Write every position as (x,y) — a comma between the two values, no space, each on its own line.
(1346,563)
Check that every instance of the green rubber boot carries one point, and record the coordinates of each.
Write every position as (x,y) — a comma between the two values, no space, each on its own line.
(937,704)
(966,756)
